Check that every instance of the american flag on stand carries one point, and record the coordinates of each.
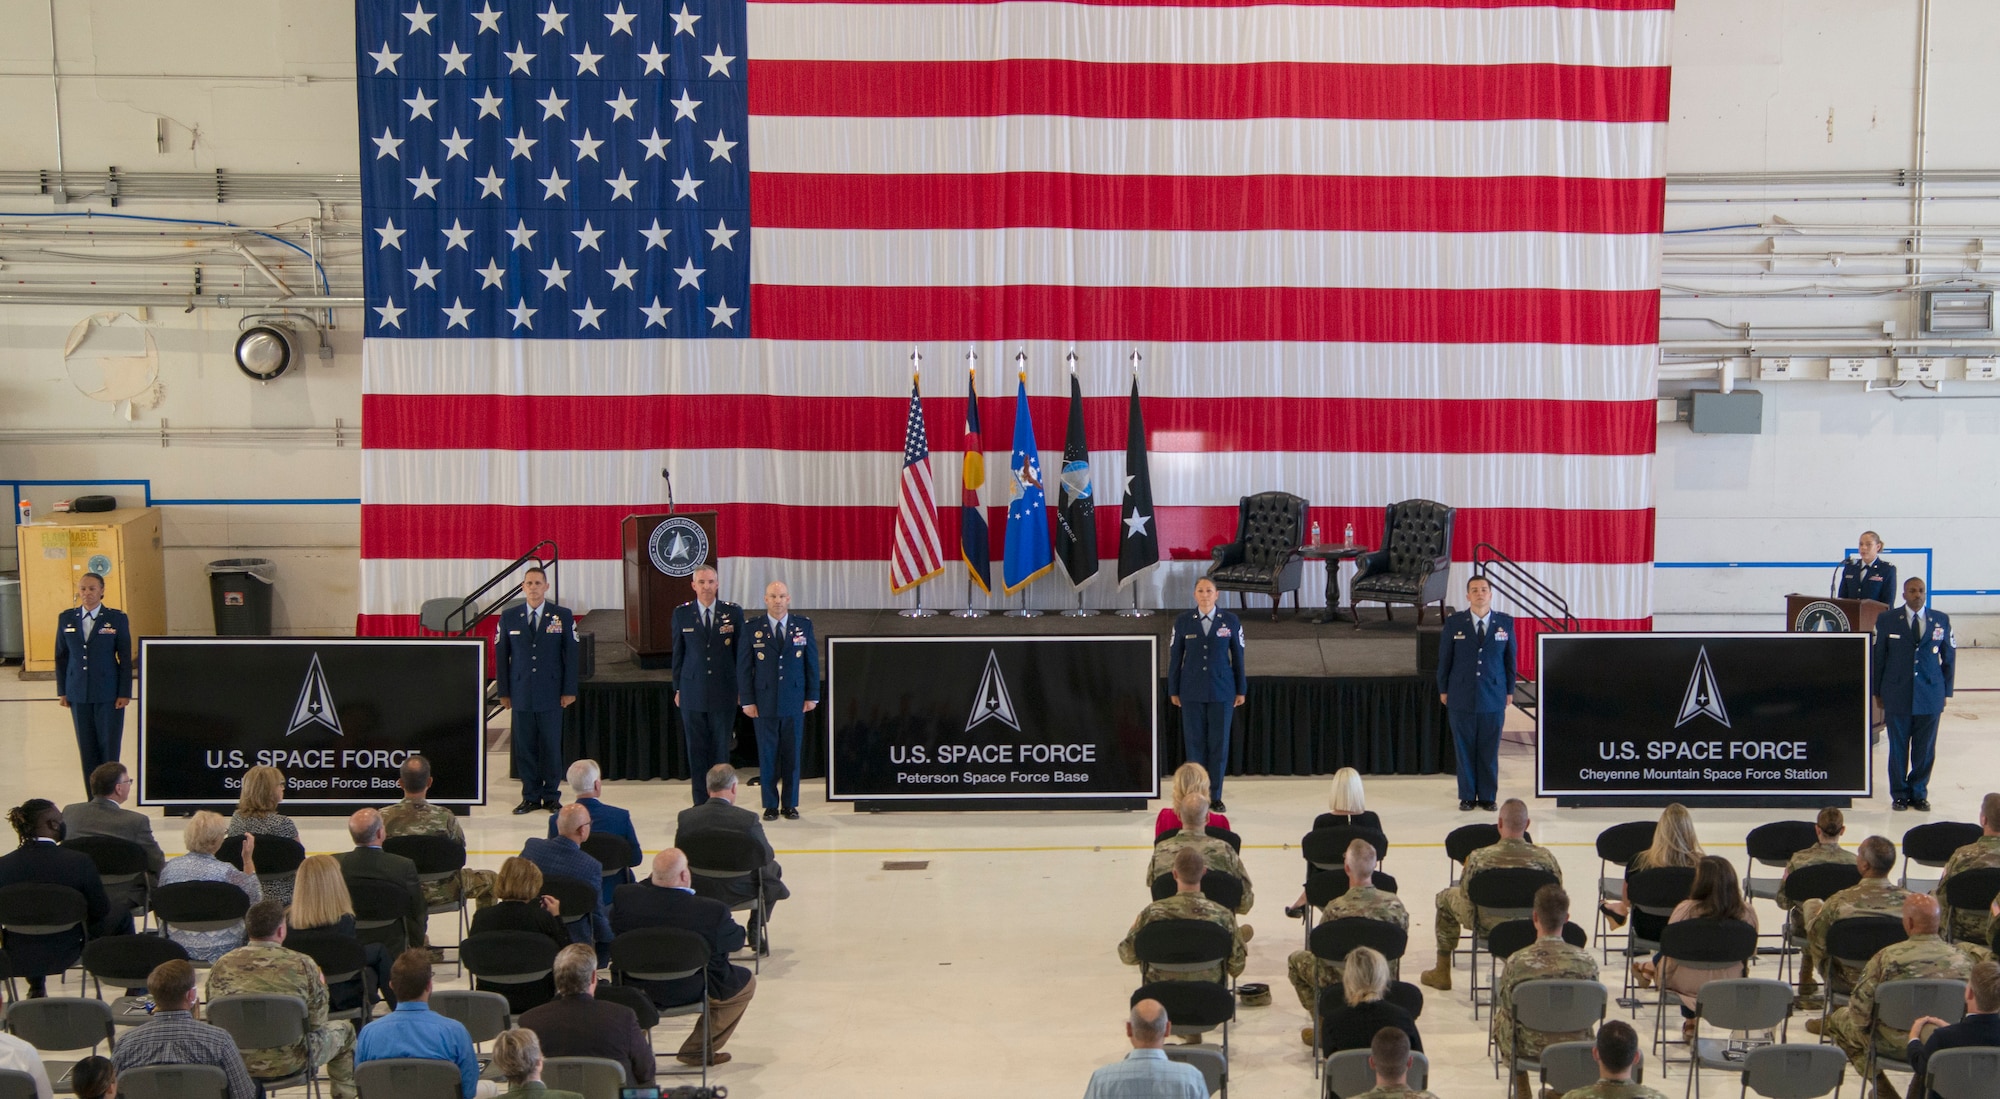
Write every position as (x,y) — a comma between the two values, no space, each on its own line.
(919,554)
(1370,249)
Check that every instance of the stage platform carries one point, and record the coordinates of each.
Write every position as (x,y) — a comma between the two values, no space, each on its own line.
(1321,697)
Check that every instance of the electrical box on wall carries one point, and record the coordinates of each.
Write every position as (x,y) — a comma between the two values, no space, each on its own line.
(1774,370)
(1738,413)
(1982,370)
(1919,370)
(1851,370)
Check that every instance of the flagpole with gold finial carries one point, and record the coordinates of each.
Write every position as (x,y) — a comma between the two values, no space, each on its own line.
(971,374)
(1078,611)
(1135,610)
(1021,372)
(918,611)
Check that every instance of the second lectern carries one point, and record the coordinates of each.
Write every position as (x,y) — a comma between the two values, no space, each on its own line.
(661,554)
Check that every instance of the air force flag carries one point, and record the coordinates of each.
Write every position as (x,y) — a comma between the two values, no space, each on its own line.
(1028,551)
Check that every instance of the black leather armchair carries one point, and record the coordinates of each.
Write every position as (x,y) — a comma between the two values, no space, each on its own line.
(1270,527)
(1414,564)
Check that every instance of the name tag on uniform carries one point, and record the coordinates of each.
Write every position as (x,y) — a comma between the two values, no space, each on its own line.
(1458,637)
(1895,637)
(69,629)
(687,629)
(513,633)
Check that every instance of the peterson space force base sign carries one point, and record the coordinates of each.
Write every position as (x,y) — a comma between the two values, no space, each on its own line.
(337,715)
(941,718)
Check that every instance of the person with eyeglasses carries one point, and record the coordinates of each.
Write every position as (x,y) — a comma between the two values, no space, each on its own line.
(105,814)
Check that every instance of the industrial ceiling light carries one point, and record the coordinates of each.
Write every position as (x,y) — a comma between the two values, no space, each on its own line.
(266,351)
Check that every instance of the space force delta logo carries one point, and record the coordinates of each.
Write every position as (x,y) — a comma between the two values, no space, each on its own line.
(1702,698)
(314,709)
(678,546)
(993,702)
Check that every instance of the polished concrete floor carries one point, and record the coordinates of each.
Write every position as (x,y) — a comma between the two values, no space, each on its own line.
(992,971)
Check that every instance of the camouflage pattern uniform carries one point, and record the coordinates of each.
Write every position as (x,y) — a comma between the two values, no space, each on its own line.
(1613,1089)
(1819,854)
(1310,973)
(1184,906)
(1454,910)
(1872,897)
(1544,958)
(416,817)
(1918,957)
(1970,924)
(1216,853)
(1394,1093)
(268,969)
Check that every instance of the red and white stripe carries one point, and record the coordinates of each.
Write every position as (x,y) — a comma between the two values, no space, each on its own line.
(1369,251)
(918,554)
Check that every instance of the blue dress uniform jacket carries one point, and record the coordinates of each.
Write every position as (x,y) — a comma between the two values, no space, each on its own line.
(1876,581)
(99,668)
(705,656)
(1207,667)
(1477,677)
(1913,675)
(778,675)
(535,670)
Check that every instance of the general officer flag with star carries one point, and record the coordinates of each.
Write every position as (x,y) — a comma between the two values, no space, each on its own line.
(1138,538)
(1028,551)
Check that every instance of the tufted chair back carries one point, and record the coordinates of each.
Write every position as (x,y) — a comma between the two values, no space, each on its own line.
(1272,527)
(1419,532)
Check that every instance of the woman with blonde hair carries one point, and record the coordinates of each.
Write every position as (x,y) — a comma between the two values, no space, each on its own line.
(257,815)
(1674,844)
(1189,778)
(517,1053)
(1364,981)
(321,905)
(204,835)
(1348,804)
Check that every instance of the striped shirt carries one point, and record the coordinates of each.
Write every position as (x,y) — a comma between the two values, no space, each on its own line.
(176,1038)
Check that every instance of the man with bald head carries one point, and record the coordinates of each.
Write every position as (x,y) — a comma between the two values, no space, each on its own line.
(562,856)
(777,684)
(369,862)
(1146,1072)
(667,899)
(1454,905)
(1922,956)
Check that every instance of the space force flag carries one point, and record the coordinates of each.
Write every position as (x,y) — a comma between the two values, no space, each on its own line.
(1028,553)
(1076,502)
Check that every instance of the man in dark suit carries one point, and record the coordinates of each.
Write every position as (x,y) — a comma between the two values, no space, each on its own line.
(1870,577)
(586,781)
(1205,678)
(369,861)
(667,899)
(706,630)
(42,860)
(563,857)
(578,1024)
(535,664)
(105,815)
(720,813)
(1979,1027)
(1475,679)
(94,672)
(1915,656)
(777,683)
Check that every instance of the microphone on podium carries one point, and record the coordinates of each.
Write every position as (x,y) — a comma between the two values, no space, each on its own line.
(670,490)
(1833,589)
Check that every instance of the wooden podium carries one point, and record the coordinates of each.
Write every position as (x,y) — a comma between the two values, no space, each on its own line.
(661,554)
(1814,613)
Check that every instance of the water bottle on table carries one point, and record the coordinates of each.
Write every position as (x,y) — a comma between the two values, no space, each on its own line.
(1347,537)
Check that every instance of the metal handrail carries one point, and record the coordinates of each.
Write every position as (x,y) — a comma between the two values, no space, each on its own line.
(467,625)
(1524,589)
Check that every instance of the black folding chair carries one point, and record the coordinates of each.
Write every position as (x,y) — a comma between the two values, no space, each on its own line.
(1932,845)
(277,859)
(1616,846)
(1811,883)
(1969,891)
(1462,841)
(125,961)
(1701,945)
(717,860)
(517,964)
(439,860)
(659,954)
(1214,831)
(350,981)
(1773,845)
(45,912)
(1653,894)
(379,908)
(121,866)
(612,853)
(1854,941)
(1502,893)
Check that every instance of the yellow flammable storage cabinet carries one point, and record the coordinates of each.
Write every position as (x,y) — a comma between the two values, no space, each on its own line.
(122,546)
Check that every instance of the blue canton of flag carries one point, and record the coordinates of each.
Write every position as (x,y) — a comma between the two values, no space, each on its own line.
(557,169)
(1029,554)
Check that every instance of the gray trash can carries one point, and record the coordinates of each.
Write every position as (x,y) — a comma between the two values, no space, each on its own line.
(13,642)
(241,589)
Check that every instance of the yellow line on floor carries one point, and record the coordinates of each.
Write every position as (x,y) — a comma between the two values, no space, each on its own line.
(1062,847)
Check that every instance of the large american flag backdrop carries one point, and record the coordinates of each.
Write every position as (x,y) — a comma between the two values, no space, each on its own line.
(1367,251)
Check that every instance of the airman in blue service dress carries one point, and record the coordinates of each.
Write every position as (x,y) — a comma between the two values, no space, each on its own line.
(1914,657)
(535,657)
(1205,678)
(777,681)
(94,673)
(1868,577)
(705,640)
(1476,654)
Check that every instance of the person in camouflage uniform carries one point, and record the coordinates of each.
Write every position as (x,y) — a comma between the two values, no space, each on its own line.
(1617,1057)
(1971,924)
(414,816)
(1454,909)
(1217,854)
(1389,1056)
(1549,956)
(263,967)
(1827,831)
(1187,904)
(1875,895)
(1308,971)
(1921,956)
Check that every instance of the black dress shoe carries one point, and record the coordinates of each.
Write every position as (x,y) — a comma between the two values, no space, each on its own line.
(1465,806)
(526,806)
(1899,805)
(1218,807)
(791,814)
(770,814)
(1921,805)
(1489,806)
(1295,912)
(553,805)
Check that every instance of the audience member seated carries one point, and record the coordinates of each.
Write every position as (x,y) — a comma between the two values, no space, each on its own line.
(518,1056)
(1189,778)
(1716,895)
(1364,981)
(1922,956)
(1825,850)
(1873,895)
(42,860)
(257,815)
(1348,804)
(204,834)
(19,1055)
(105,815)
(414,1030)
(520,905)
(174,1037)
(667,899)
(563,857)
(1617,1056)
(1969,925)
(1549,956)
(368,861)
(1389,1059)
(720,813)
(94,1078)
(263,967)
(1454,908)
(414,816)
(1187,903)
(1215,854)
(1979,1027)
(1146,1071)
(586,781)
(578,1024)
(321,904)
(1674,844)
(1308,971)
